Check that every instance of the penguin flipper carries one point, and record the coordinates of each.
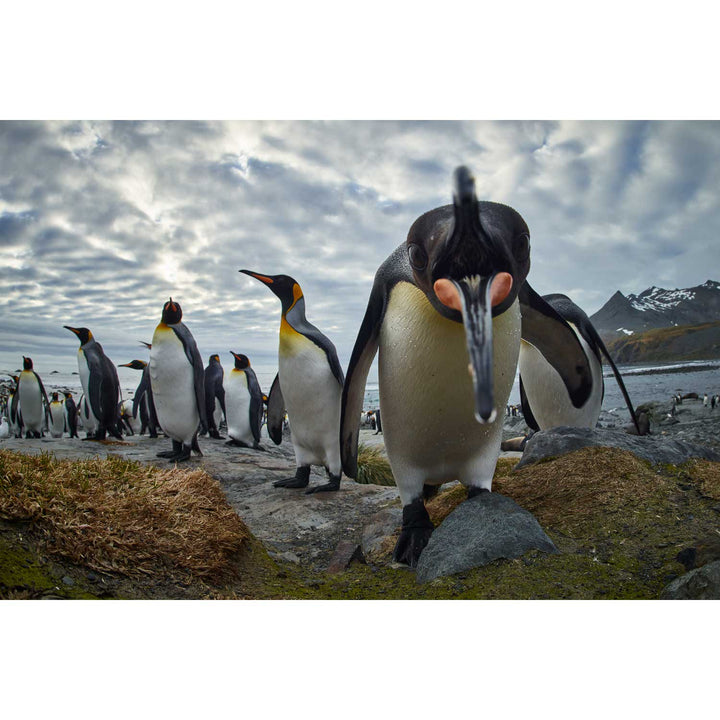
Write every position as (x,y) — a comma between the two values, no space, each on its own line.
(530,420)
(140,391)
(48,411)
(193,355)
(275,411)
(256,404)
(363,354)
(544,328)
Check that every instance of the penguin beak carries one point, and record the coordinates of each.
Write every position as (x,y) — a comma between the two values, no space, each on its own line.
(475,297)
(72,329)
(262,278)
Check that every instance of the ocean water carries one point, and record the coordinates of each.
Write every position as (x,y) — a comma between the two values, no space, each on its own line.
(645,383)
(651,382)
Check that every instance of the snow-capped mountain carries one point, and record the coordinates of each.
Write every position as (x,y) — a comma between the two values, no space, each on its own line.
(657,308)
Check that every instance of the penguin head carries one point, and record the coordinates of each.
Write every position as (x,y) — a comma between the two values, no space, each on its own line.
(172,313)
(67,395)
(470,259)
(54,397)
(135,365)
(84,335)
(27,363)
(241,361)
(214,359)
(285,287)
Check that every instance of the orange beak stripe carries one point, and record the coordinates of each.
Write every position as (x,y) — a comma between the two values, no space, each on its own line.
(263,278)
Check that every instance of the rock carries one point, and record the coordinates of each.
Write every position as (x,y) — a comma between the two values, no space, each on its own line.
(67,580)
(702,553)
(699,584)
(562,440)
(485,528)
(380,526)
(344,554)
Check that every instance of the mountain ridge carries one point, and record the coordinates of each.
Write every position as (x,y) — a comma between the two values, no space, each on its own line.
(655,308)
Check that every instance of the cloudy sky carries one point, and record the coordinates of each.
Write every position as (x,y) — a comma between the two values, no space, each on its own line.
(100,222)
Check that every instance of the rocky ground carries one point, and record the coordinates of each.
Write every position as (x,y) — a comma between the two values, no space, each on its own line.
(314,540)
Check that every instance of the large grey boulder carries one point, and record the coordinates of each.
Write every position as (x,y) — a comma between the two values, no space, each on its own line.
(703,583)
(485,528)
(655,449)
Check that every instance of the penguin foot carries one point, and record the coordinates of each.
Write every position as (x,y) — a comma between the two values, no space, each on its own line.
(331,486)
(416,530)
(475,491)
(258,446)
(236,443)
(301,479)
(166,454)
(182,456)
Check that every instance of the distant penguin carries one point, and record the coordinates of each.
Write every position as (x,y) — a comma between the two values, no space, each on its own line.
(31,399)
(14,414)
(308,385)
(543,395)
(214,394)
(177,379)
(243,404)
(143,404)
(100,383)
(71,415)
(446,313)
(4,428)
(57,410)
(86,418)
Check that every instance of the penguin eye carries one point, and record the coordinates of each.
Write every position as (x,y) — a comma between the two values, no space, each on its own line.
(418,257)
(521,246)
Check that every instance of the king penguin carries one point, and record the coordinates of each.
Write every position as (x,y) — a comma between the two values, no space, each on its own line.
(308,386)
(57,414)
(214,395)
(445,314)
(243,404)
(143,399)
(100,384)
(543,395)
(176,376)
(28,400)
(14,414)
(71,415)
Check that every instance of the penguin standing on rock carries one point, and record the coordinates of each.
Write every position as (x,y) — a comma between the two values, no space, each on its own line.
(544,398)
(143,399)
(308,386)
(31,399)
(177,379)
(446,313)
(214,394)
(71,415)
(100,384)
(244,404)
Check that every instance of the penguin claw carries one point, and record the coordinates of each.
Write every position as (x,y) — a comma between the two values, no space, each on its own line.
(293,482)
(332,486)
(410,544)
(166,454)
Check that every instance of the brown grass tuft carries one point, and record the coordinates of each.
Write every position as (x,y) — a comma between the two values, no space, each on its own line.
(119,516)
(373,466)
(706,475)
(567,492)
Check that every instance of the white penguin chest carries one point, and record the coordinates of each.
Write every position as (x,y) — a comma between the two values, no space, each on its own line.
(426,391)
(237,402)
(30,398)
(546,392)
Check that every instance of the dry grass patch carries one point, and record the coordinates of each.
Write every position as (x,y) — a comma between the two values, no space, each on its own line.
(119,516)
(706,475)
(566,492)
(373,466)
(569,491)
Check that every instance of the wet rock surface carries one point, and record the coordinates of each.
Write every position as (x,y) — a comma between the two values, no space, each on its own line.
(485,528)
